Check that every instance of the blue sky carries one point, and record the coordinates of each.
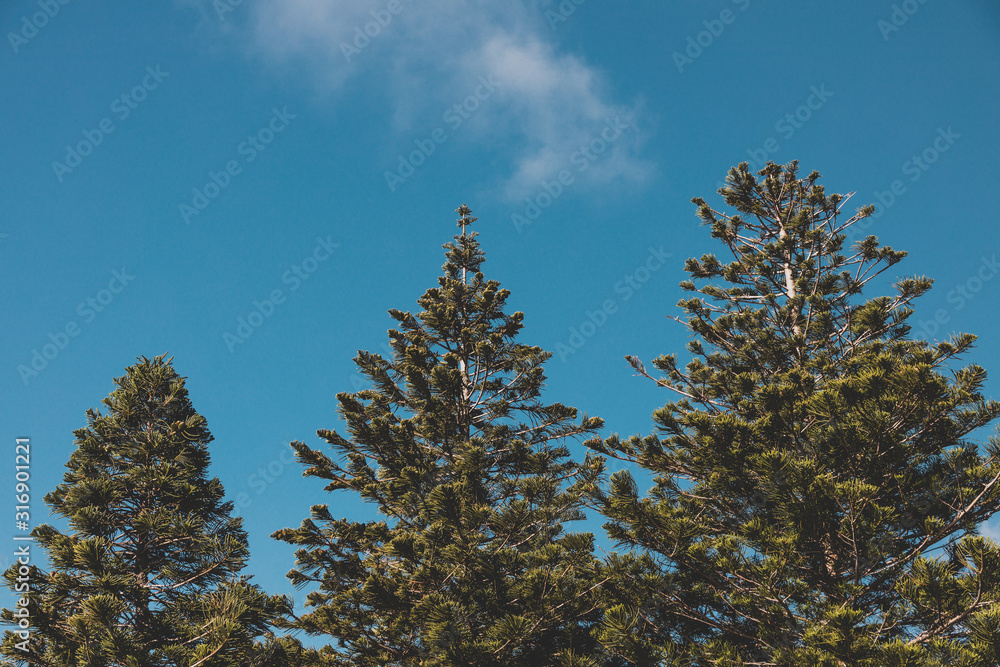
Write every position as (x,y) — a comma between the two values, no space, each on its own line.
(169,166)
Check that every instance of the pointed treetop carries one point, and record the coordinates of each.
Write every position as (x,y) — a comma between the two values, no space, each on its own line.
(467,217)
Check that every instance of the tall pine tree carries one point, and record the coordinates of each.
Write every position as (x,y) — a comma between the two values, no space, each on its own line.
(470,565)
(816,496)
(148,577)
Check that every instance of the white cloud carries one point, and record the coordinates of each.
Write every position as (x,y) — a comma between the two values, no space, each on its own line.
(991,529)
(430,55)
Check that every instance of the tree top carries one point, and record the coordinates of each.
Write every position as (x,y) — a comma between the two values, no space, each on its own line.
(467,217)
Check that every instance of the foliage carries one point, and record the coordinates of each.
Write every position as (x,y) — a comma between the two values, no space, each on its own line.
(816,495)
(470,565)
(148,575)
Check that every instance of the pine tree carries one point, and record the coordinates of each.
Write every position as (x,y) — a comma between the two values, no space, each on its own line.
(816,495)
(148,577)
(470,565)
